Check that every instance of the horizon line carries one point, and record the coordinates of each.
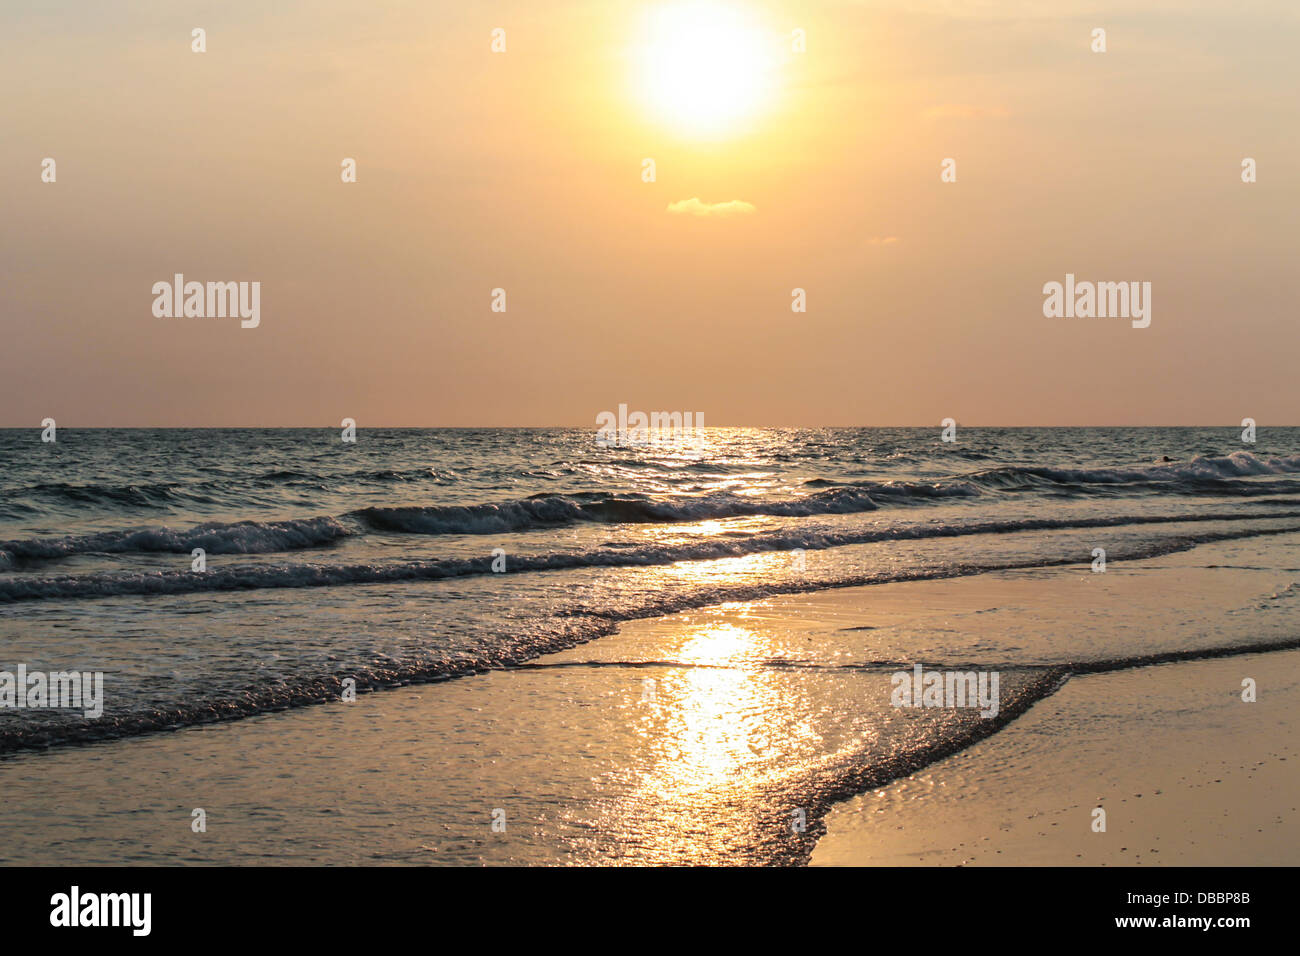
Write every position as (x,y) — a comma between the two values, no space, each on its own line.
(360,427)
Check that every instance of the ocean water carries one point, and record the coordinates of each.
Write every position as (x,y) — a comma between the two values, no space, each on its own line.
(419,555)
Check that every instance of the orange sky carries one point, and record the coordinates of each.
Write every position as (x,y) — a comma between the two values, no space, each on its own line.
(523,170)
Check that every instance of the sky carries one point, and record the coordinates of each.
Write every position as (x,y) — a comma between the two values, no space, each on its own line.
(775,169)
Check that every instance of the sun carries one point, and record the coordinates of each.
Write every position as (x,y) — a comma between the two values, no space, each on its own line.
(705,68)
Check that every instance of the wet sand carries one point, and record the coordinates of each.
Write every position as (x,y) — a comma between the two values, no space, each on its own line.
(1187,773)
(730,734)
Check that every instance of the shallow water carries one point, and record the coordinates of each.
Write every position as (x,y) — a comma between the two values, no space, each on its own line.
(375,560)
(698,737)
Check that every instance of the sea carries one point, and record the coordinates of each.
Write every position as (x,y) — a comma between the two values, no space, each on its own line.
(214,574)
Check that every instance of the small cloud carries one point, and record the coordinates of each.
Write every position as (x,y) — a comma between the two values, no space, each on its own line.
(883,240)
(965,111)
(694,207)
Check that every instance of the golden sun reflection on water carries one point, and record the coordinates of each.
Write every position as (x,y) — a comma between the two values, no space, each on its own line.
(719,644)
(709,721)
(716,731)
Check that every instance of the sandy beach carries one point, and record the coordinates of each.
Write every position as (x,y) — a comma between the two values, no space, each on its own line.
(1188,775)
(739,733)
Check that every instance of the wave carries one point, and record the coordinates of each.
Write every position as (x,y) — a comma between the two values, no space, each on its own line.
(1207,476)
(242,537)
(142,494)
(548,511)
(904,492)
(38,733)
(29,587)
(1200,475)
(529,514)
(1239,464)
(855,776)
(1232,475)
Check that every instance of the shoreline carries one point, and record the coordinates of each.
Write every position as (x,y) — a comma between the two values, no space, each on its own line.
(732,734)
(1187,773)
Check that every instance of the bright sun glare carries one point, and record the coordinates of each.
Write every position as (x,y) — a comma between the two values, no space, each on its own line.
(705,67)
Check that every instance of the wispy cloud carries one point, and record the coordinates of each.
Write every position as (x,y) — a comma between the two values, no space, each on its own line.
(883,241)
(696,207)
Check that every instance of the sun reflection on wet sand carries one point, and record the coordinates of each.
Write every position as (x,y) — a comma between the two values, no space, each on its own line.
(718,730)
(705,718)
